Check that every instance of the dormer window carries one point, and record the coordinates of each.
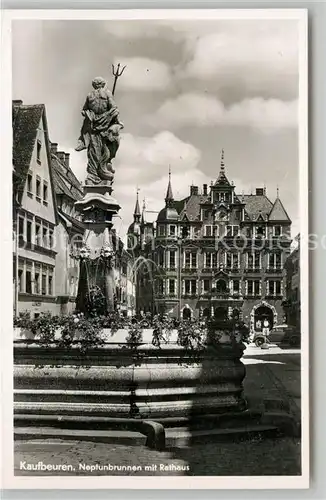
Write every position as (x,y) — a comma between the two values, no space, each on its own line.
(205,214)
(38,151)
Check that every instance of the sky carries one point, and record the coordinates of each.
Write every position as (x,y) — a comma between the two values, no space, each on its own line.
(189,90)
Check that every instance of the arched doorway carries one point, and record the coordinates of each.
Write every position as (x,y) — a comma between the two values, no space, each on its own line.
(261,314)
(186,313)
(221,313)
(206,312)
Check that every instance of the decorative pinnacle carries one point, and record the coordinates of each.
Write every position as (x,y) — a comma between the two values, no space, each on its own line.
(137,207)
(169,194)
(222,161)
(277,191)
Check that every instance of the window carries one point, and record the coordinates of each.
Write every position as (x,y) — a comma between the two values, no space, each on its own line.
(29,232)
(37,282)
(38,151)
(236,286)
(161,258)
(51,240)
(45,237)
(208,259)
(185,232)
(50,283)
(28,282)
(45,192)
(257,260)
(260,231)
(206,286)
(161,230)
(277,230)
(205,214)
(43,284)
(20,280)
(171,287)
(38,189)
(274,287)
(172,230)
(253,287)
(237,214)
(21,227)
(29,183)
(191,260)
(160,287)
(253,260)
(232,260)
(208,231)
(190,287)
(275,261)
(172,258)
(232,230)
(37,234)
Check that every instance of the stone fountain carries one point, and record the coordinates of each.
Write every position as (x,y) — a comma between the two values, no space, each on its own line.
(100,137)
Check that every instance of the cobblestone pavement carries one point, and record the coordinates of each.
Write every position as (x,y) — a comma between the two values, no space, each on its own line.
(274,373)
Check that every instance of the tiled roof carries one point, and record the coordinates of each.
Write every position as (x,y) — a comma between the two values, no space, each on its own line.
(63,175)
(256,205)
(192,207)
(26,119)
(278,212)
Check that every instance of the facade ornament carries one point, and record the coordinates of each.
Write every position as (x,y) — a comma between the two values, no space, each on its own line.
(84,252)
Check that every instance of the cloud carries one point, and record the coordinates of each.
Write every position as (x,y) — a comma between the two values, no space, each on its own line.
(154,193)
(196,109)
(144,74)
(141,158)
(260,56)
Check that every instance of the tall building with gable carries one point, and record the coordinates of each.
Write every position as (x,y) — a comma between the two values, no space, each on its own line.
(48,231)
(35,216)
(215,252)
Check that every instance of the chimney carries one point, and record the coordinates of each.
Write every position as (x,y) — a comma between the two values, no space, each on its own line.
(17,102)
(67,159)
(54,147)
(205,189)
(259,191)
(61,156)
(193,190)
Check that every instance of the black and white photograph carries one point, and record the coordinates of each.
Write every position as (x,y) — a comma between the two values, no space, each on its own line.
(159,224)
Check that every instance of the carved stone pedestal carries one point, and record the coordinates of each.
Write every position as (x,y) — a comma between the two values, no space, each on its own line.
(96,287)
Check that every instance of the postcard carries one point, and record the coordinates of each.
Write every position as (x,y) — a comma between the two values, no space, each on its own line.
(156,215)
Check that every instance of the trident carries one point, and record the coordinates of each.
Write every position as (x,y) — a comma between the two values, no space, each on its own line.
(116,73)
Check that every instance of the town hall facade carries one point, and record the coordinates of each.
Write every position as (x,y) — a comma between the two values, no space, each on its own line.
(214,253)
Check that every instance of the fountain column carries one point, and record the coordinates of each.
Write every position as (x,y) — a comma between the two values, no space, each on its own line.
(100,137)
(97,257)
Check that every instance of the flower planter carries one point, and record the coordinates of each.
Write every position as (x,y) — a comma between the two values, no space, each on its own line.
(114,380)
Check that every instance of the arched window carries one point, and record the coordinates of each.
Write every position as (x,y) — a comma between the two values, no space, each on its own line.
(186,313)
